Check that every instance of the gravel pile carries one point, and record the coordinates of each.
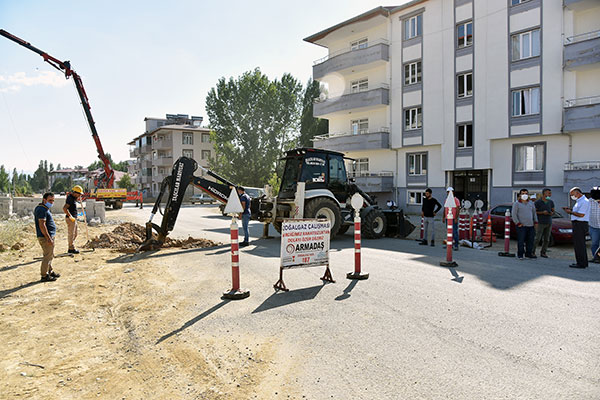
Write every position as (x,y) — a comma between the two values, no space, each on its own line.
(127,238)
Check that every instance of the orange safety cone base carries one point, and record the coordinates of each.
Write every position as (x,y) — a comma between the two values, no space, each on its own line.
(236,294)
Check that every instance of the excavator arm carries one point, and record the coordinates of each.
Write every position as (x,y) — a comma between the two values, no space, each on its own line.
(174,186)
(65,67)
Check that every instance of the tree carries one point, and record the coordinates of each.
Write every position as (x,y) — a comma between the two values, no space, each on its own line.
(4,180)
(61,185)
(120,166)
(125,182)
(253,119)
(39,181)
(309,125)
(58,167)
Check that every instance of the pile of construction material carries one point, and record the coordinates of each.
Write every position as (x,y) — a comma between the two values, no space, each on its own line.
(127,238)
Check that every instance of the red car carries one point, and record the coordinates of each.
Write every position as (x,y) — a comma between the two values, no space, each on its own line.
(562,230)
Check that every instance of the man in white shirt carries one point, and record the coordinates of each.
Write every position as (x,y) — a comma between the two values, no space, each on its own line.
(580,217)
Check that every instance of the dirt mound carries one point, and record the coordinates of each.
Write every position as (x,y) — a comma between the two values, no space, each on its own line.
(127,237)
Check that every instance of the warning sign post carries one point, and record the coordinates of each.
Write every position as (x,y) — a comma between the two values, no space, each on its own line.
(304,243)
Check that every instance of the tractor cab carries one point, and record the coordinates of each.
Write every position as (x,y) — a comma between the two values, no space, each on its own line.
(319,169)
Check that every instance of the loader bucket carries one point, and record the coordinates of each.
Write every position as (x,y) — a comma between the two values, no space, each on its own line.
(151,243)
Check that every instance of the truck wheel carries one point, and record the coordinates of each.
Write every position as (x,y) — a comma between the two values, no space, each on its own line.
(322,207)
(118,205)
(374,224)
(343,229)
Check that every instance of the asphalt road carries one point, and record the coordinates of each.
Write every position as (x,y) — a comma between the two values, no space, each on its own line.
(491,328)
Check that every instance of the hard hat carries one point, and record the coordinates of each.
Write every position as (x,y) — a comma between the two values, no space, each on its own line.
(77,189)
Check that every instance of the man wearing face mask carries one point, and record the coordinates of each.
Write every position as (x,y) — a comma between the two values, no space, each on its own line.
(580,217)
(595,223)
(544,208)
(525,219)
(45,229)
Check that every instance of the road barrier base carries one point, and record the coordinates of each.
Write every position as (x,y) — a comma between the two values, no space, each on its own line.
(236,294)
(357,275)
(505,254)
(448,264)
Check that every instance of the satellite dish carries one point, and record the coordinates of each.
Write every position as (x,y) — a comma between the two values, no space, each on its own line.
(478,203)
(357,201)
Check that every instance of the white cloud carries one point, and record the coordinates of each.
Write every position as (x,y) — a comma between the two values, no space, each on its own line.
(14,82)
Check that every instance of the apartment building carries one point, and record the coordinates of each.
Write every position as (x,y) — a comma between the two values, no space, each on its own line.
(162,143)
(485,95)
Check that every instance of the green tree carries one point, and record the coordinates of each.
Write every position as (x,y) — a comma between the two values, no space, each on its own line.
(39,181)
(253,120)
(61,185)
(309,125)
(4,180)
(125,182)
(120,166)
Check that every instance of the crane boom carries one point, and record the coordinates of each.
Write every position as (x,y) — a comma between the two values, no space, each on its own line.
(65,67)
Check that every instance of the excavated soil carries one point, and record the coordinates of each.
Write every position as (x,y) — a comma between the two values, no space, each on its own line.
(127,238)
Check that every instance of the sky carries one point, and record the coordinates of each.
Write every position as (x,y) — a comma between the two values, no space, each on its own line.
(139,59)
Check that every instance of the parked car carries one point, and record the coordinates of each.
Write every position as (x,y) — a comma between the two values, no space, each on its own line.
(562,230)
(202,199)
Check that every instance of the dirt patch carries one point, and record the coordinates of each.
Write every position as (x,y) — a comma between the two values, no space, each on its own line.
(127,238)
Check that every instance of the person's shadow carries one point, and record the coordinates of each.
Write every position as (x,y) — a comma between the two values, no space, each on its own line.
(8,292)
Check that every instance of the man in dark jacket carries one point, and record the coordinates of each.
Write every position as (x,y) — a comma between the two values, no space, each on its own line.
(45,229)
(428,211)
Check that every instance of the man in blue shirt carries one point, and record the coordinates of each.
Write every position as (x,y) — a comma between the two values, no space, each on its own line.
(245,200)
(45,228)
(580,216)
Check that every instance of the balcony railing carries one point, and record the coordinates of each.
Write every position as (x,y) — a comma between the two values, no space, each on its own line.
(354,174)
(162,144)
(583,36)
(332,135)
(582,101)
(163,161)
(582,165)
(350,91)
(350,49)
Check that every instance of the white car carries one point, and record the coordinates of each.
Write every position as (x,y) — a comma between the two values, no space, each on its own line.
(202,199)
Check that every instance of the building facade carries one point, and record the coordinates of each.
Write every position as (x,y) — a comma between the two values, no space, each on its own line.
(487,96)
(161,144)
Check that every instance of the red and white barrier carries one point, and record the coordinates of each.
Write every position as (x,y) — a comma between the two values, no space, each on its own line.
(235,293)
(450,222)
(422,230)
(357,274)
(506,252)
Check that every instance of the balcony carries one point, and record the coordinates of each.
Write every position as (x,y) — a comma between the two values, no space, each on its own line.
(580,174)
(163,161)
(145,148)
(159,177)
(578,5)
(373,139)
(134,152)
(376,96)
(162,144)
(145,180)
(146,164)
(374,182)
(376,51)
(582,50)
(581,114)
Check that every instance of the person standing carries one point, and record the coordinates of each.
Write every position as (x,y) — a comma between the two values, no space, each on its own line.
(580,217)
(45,229)
(429,210)
(544,209)
(595,224)
(525,219)
(454,212)
(70,210)
(245,200)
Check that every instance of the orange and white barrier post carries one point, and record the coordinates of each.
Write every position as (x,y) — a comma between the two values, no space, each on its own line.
(235,293)
(357,274)
(422,230)
(506,252)
(449,262)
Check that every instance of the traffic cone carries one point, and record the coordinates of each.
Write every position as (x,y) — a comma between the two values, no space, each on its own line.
(488,236)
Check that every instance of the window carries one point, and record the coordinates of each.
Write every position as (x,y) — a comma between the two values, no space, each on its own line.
(359,44)
(417,164)
(414,198)
(360,167)
(360,126)
(526,101)
(517,2)
(412,119)
(188,153)
(412,27)
(525,45)
(359,85)
(464,34)
(205,154)
(337,171)
(465,85)
(529,157)
(465,136)
(205,138)
(412,73)
(188,138)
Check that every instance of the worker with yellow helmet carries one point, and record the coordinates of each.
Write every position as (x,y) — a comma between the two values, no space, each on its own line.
(70,210)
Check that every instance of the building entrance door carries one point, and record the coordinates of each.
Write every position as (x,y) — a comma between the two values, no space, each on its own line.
(471,185)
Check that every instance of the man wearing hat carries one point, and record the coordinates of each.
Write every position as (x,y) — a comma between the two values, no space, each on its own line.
(454,212)
(70,210)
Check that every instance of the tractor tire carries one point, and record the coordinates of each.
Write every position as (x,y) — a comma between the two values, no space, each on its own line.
(118,205)
(277,226)
(344,229)
(374,225)
(323,207)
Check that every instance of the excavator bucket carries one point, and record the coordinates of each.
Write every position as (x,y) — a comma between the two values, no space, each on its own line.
(150,243)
